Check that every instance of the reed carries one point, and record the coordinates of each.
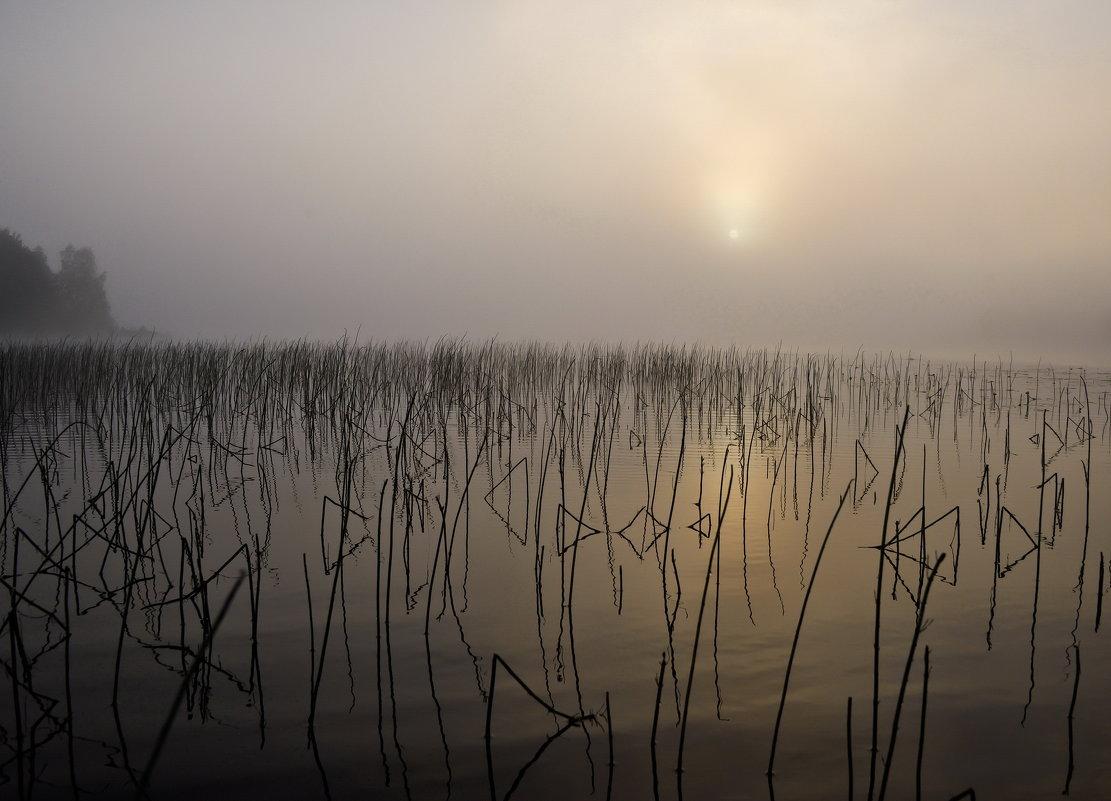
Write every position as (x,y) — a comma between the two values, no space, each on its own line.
(1071,719)
(798,629)
(900,436)
(175,706)
(919,624)
(723,505)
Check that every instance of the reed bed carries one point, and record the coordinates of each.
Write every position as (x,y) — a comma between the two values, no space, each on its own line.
(412,491)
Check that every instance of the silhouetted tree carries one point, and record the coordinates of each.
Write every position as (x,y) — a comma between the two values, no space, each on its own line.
(28,292)
(34,300)
(82,302)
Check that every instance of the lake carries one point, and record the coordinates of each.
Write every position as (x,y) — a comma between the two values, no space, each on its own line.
(483,570)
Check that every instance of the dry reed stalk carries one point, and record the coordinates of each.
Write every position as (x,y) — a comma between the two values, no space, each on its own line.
(798,629)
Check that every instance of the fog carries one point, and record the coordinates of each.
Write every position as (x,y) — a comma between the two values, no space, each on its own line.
(918,175)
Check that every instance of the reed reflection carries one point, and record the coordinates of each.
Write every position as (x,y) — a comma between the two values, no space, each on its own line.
(614,530)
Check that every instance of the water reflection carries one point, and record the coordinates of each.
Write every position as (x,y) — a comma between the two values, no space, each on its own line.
(303,569)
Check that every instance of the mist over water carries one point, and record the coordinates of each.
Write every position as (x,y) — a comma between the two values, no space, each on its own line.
(926,176)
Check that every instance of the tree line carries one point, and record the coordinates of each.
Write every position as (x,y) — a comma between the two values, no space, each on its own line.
(35,300)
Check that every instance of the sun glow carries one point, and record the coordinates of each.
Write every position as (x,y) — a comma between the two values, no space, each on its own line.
(736,214)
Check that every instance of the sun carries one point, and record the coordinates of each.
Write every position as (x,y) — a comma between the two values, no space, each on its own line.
(735,216)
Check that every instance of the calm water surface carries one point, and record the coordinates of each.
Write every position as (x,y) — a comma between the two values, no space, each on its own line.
(494,571)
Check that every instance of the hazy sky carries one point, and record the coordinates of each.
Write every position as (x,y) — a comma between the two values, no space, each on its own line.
(926,174)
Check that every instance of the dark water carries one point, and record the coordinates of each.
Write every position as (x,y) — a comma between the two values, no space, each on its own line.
(489,571)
